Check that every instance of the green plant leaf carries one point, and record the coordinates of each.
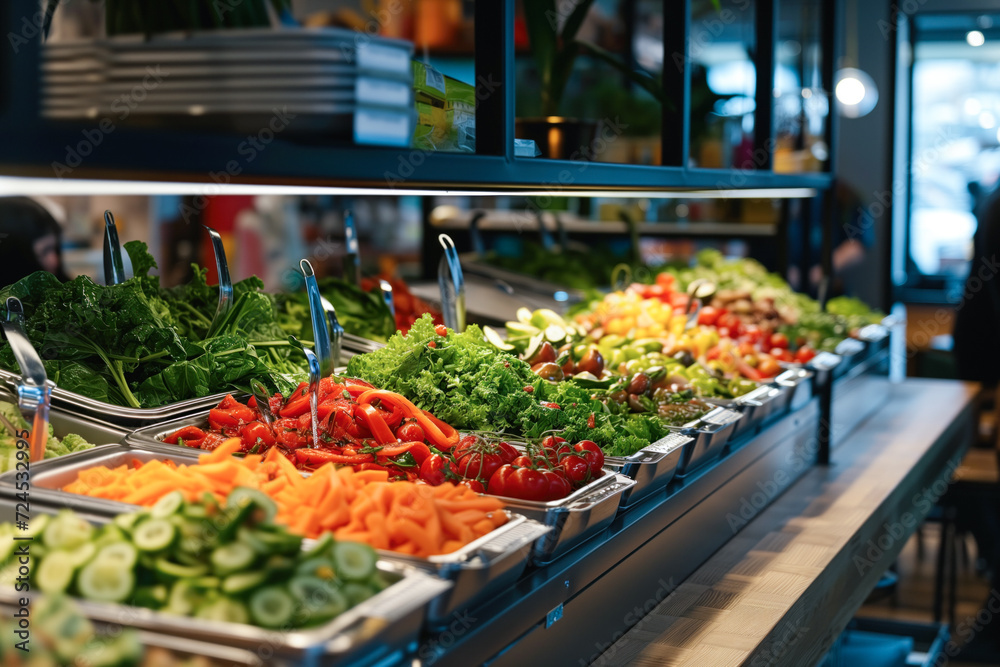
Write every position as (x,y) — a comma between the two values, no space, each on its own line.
(640,77)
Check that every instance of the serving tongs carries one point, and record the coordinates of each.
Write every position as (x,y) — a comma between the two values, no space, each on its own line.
(386,288)
(698,291)
(452,285)
(260,395)
(34,393)
(114,265)
(352,260)
(225,281)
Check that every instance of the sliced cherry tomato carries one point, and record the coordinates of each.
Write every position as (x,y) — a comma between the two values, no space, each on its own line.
(228,403)
(286,433)
(186,433)
(804,355)
(437,469)
(779,340)
(410,430)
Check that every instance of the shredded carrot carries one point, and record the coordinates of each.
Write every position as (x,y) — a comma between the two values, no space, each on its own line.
(405,517)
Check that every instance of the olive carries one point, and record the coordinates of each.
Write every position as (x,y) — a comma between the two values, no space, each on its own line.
(639,384)
(684,357)
(569,368)
(548,370)
(592,362)
(619,396)
(545,354)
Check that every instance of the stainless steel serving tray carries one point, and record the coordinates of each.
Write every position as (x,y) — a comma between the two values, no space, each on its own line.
(575,518)
(711,434)
(93,430)
(653,467)
(756,406)
(387,623)
(799,384)
(477,570)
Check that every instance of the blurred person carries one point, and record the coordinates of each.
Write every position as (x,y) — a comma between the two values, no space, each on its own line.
(30,240)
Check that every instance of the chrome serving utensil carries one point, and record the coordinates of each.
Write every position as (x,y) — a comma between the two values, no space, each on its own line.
(452,285)
(34,393)
(386,288)
(336,331)
(263,401)
(321,332)
(114,265)
(699,290)
(352,260)
(225,281)
(315,375)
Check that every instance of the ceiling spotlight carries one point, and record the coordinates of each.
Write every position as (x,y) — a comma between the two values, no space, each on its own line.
(856,92)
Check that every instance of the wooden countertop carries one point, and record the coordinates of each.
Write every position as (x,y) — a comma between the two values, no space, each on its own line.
(787,584)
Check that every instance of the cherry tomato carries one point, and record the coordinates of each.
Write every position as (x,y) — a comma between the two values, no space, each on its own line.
(410,431)
(782,354)
(576,469)
(804,355)
(478,465)
(523,483)
(437,469)
(522,462)
(473,484)
(506,452)
(768,366)
(257,437)
(441,330)
(286,433)
(779,340)
(667,280)
(593,455)
(557,486)
(555,448)
(708,316)
(724,332)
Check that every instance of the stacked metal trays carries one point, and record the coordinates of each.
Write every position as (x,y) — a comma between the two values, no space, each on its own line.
(387,623)
(711,433)
(756,407)
(476,571)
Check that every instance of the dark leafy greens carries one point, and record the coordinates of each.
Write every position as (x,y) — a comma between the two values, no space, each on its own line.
(468,383)
(137,344)
(360,313)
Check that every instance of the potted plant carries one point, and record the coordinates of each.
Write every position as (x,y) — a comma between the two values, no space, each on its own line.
(122,17)
(555,47)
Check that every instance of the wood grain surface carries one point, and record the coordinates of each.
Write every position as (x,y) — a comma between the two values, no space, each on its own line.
(783,589)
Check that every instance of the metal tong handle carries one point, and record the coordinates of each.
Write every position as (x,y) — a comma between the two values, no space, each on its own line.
(315,375)
(475,236)
(452,285)
(225,281)
(34,394)
(695,290)
(352,260)
(543,232)
(263,400)
(321,332)
(114,265)
(336,331)
(386,288)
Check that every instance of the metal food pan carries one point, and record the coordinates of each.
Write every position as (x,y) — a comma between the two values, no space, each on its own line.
(575,518)
(711,434)
(477,570)
(63,423)
(387,624)
(799,389)
(653,467)
(756,407)
(178,649)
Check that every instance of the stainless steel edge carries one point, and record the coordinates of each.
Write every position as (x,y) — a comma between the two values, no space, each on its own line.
(94,431)
(652,467)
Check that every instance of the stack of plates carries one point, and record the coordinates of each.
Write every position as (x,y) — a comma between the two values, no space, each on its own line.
(345,84)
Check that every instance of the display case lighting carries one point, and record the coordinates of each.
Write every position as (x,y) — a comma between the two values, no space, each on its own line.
(13,186)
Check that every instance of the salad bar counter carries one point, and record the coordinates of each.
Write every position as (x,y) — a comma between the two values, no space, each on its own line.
(208,469)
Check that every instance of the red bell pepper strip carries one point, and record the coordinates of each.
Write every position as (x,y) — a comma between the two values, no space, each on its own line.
(356,387)
(439,434)
(747,371)
(185,433)
(371,417)
(319,457)
(418,450)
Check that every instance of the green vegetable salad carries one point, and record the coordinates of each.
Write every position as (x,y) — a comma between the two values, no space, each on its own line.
(8,442)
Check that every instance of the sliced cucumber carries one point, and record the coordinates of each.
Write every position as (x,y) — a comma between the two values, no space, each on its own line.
(56,572)
(121,554)
(197,512)
(151,596)
(67,531)
(174,571)
(232,557)
(37,526)
(110,534)
(321,568)
(154,535)
(279,542)
(184,598)
(168,505)
(127,521)
(206,583)
(80,556)
(235,584)
(321,599)
(105,581)
(271,607)
(242,496)
(224,609)
(354,561)
(321,547)
(249,536)
(357,593)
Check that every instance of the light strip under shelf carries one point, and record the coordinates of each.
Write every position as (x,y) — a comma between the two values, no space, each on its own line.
(15,185)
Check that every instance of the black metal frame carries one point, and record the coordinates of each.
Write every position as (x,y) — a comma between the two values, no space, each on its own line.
(31,145)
